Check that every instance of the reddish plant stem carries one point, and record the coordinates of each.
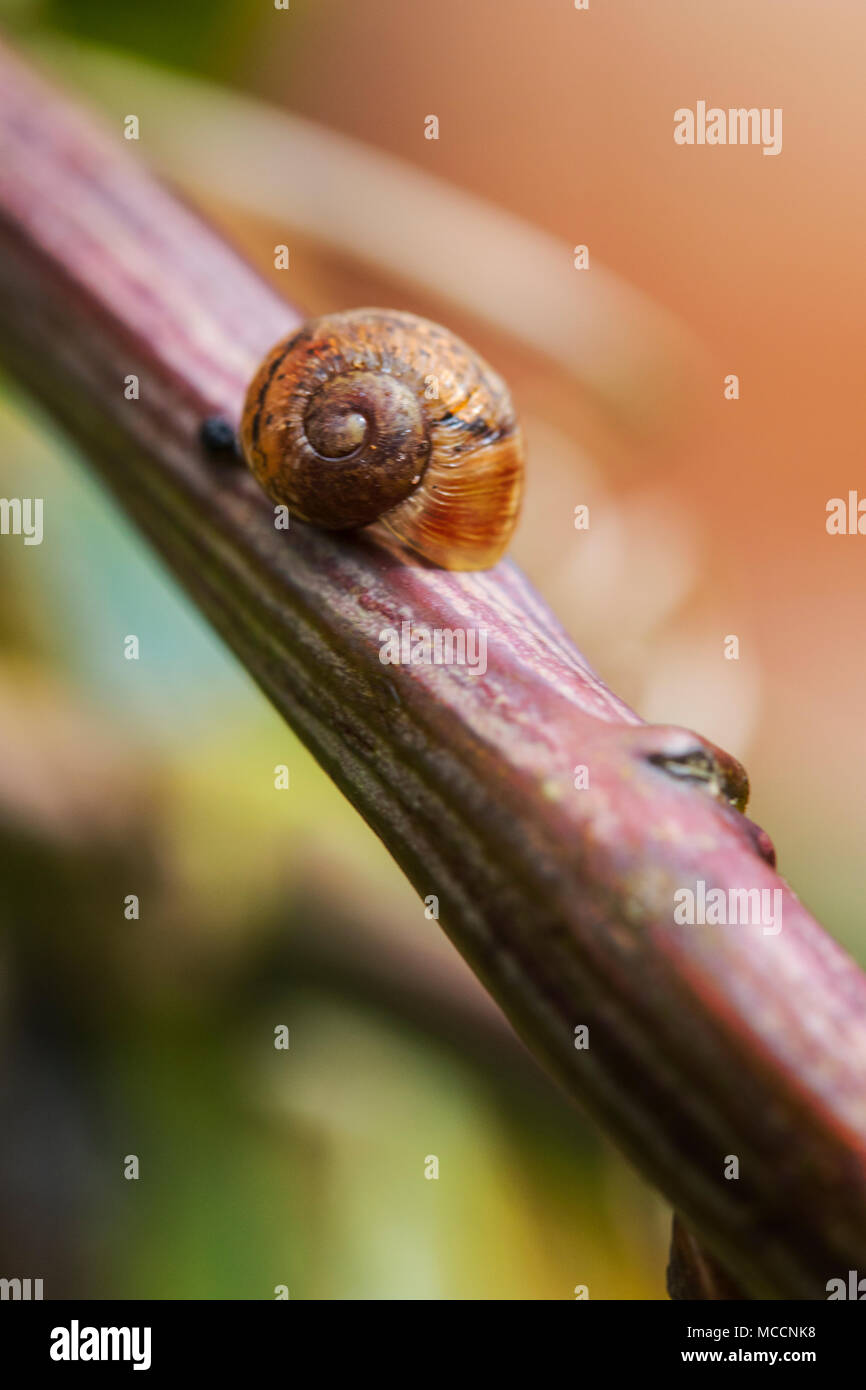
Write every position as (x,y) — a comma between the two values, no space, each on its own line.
(704,1042)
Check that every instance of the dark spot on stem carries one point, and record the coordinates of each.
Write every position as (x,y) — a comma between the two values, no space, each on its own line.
(218,438)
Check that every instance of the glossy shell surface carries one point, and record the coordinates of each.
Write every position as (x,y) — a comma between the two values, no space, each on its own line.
(379,415)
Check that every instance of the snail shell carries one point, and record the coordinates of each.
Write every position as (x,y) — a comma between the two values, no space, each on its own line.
(375,415)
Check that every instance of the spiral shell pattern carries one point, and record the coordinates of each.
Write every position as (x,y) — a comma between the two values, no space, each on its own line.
(375,415)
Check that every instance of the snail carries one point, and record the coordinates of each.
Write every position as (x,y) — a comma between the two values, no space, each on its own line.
(378,416)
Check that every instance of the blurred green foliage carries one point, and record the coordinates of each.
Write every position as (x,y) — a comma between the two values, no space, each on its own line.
(198,34)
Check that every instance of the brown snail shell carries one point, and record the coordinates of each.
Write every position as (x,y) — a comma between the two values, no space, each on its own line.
(376,415)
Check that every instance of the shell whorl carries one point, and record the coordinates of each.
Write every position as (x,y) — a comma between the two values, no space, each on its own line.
(378,415)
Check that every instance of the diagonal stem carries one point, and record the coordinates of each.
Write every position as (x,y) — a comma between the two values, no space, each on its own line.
(705,1043)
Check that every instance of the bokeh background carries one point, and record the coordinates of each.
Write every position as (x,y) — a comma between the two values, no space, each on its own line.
(154,1037)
